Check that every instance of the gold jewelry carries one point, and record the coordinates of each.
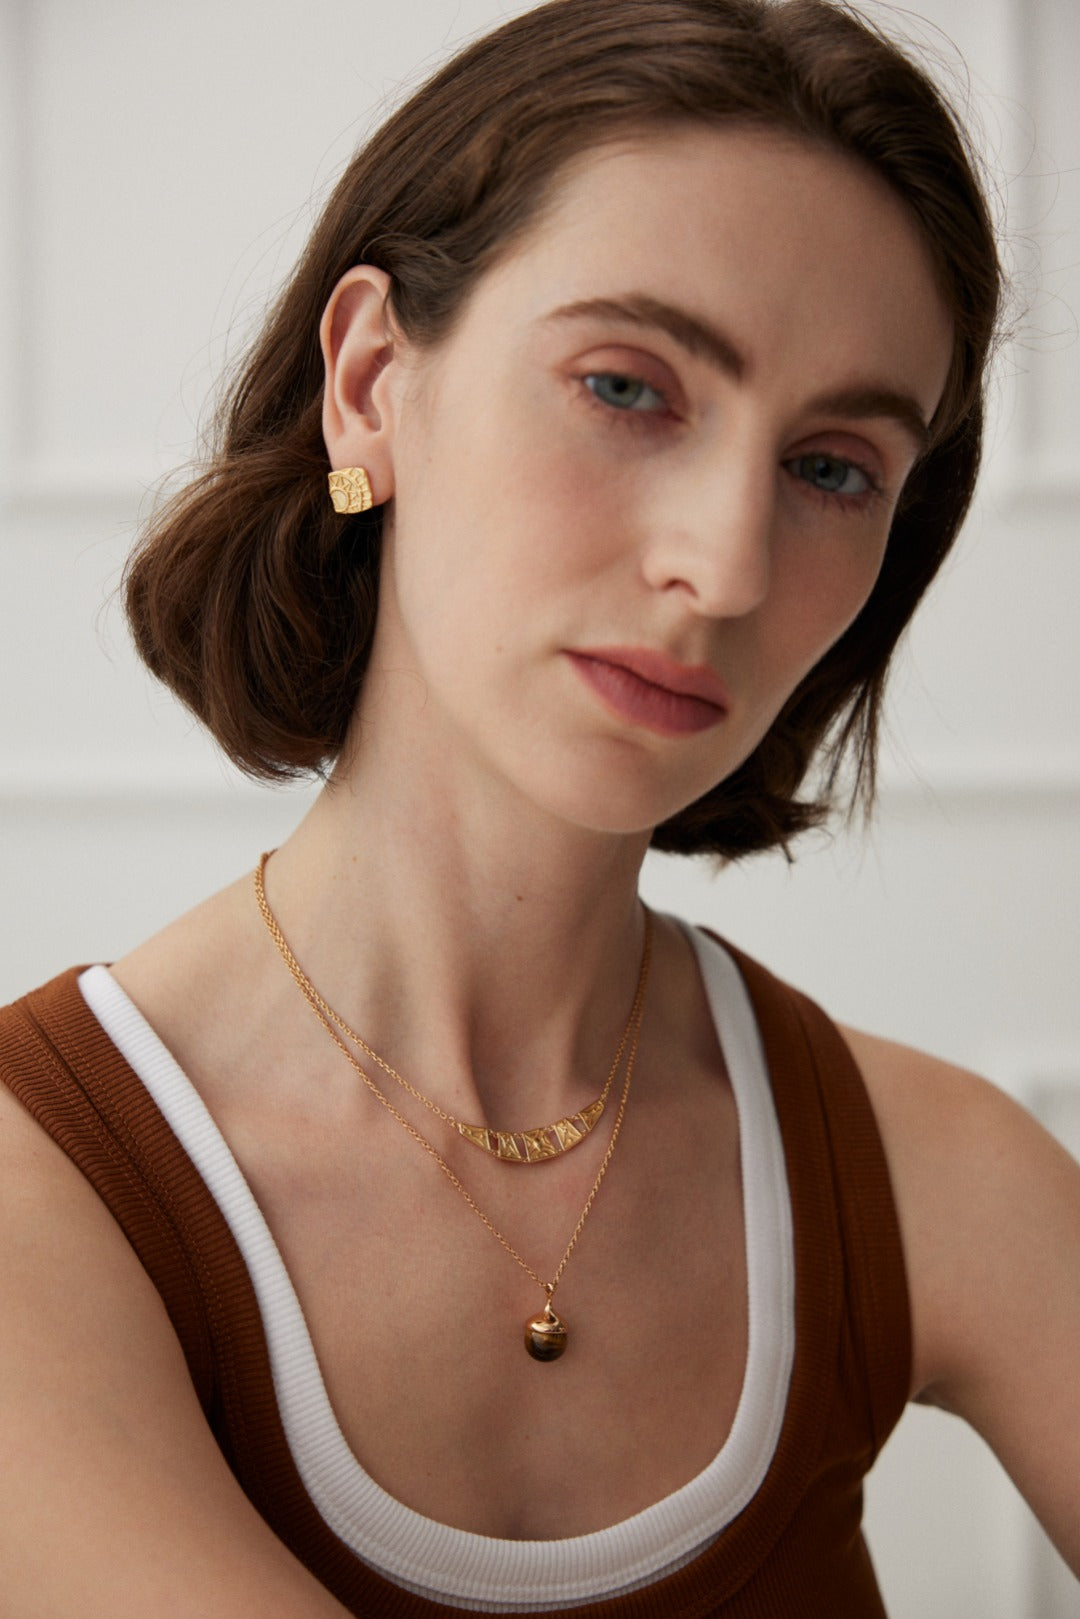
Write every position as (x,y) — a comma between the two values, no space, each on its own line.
(546,1335)
(350,491)
(532,1146)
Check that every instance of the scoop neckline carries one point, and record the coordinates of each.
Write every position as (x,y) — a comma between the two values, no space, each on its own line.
(435,1560)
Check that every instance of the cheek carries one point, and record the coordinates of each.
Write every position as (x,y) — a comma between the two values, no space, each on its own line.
(526,528)
(863,576)
(508,507)
(546,513)
(823,595)
(853,589)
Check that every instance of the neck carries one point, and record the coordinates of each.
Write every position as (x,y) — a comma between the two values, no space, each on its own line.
(486,950)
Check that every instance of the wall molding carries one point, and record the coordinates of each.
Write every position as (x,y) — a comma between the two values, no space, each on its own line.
(173,780)
(41,493)
(14,250)
(1005,781)
(139,780)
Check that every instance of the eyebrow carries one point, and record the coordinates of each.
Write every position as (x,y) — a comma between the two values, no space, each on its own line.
(705,341)
(863,403)
(692,333)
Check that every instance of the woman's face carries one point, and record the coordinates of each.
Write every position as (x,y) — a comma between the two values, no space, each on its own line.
(649,478)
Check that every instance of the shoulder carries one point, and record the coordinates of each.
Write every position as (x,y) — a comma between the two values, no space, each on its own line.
(980,1188)
(114,1496)
(989,1210)
(64,1257)
(34,1031)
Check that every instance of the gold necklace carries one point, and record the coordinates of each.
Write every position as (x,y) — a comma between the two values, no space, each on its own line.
(546,1334)
(532,1146)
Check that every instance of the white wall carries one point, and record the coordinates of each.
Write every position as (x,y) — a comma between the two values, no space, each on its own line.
(159,165)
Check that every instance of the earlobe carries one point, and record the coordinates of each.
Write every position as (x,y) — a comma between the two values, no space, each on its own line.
(357,346)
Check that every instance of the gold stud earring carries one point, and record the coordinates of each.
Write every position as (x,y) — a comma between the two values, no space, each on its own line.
(350,491)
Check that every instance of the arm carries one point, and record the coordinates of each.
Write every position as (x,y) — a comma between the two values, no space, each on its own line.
(114,1498)
(989,1208)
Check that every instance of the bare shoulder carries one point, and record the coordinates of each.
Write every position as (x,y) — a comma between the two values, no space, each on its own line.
(191,960)
(114,1497)
(989,1202)
(989,1209)
(197,983)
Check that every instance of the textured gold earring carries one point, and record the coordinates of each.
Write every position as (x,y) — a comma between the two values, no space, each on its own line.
(350,490)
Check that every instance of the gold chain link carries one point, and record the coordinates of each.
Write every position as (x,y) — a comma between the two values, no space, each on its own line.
(317,1001)
(328,1018)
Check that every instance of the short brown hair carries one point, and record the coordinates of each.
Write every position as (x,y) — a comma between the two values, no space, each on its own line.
(256,603)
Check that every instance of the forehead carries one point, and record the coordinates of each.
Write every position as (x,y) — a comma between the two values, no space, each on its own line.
(805,249)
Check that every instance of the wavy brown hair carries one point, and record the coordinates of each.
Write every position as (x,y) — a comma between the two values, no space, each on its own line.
(256,604)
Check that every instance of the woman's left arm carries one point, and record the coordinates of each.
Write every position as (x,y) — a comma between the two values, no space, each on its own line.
(989,1208)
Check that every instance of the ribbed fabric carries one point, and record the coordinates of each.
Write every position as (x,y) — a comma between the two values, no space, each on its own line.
(480,1572)
(794,1552)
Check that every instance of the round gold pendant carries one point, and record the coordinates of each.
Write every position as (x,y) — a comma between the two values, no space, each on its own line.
(545,1335)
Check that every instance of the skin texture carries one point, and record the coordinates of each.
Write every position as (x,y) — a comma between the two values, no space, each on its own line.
(465,893)
(678,524)
(990,1217)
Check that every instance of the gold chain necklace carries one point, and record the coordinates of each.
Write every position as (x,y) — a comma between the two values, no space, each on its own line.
(546,1334)
(532,1146)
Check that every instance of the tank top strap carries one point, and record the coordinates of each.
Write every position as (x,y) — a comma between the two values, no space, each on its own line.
(797,1544)
(56,1058)
(832,1146)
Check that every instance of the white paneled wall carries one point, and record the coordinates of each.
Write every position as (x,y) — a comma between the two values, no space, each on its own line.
(159,165)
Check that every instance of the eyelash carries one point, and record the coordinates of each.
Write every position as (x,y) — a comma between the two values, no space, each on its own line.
(835,499)
(654,420)
(636,419)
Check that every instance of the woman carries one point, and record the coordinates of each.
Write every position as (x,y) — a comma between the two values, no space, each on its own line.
(561,1259)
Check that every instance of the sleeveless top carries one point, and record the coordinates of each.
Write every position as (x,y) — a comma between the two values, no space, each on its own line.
(794,1549)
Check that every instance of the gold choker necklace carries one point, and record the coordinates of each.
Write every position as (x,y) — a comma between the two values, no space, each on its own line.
(546,1334)
(532,1146)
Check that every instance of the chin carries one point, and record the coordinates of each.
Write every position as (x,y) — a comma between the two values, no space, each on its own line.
(614,807)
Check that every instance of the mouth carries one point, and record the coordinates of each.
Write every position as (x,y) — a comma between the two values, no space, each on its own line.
(652,689)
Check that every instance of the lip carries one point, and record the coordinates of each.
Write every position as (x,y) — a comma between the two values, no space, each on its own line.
(653,689)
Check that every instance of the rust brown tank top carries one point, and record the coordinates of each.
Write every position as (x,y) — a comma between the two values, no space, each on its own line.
(796,1551)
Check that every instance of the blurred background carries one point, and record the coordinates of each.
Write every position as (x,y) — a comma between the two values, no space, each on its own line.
(159,167)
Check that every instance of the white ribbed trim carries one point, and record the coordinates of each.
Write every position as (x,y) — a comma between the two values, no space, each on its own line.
(480,1572)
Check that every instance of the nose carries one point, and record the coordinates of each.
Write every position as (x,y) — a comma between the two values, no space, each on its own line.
(712,541)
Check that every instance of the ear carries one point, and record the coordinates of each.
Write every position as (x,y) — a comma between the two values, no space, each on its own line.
(358,345)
